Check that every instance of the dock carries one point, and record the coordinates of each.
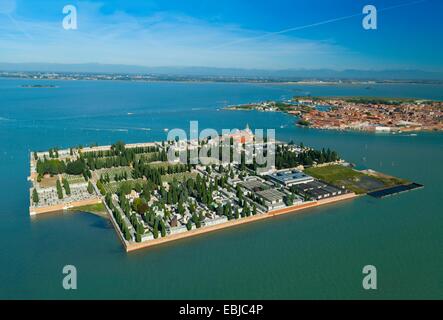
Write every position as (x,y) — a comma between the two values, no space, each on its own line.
(395,190)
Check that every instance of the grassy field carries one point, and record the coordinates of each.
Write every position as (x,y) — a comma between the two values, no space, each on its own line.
(159,164)
(148,157)
(353,180)
(97,208)
(113,186)
(73,179)
(113,171)
(333,173)
(179,176)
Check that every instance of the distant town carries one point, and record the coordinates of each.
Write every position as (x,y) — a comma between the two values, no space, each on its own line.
(370,114)
(146,77)
(150,200)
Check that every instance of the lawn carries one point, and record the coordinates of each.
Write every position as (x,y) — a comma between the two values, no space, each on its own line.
(113,171)
(147,157)
(359,182)
(334,173)
(160,164)
(98,208)
(114,186)
(73,179)
(180,177)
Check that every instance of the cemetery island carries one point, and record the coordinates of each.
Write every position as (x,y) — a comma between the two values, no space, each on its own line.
(150,199)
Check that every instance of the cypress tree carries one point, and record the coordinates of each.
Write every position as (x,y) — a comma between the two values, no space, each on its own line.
(90,188)
(236,214)
(66,186)
(155,229)
(59,189)
(35,197)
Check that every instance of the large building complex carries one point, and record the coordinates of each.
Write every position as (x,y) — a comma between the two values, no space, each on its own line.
(290,177)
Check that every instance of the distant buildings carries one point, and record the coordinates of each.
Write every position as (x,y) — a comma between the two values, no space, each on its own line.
(376,115)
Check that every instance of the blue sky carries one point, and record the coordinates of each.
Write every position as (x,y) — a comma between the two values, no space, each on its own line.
(226,33)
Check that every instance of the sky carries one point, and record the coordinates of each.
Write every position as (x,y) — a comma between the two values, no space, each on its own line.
(277,34)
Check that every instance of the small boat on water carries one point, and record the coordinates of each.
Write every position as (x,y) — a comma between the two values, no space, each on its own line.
(165,129)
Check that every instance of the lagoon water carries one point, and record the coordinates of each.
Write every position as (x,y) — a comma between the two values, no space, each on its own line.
(318,254)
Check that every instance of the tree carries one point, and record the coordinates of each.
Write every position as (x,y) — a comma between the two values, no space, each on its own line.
(289,199)
(140,229)
(75,167)
(247,210)
(125,188)
(140,206)
(66,186)
(220,210)
(192,208)
(59,189)
(155,229)
(189,225)
(243,212)
(101,187)
(181,208)
(118,147)
(138,187)
(126,233)
(52,166)
(35,197)
(196,220)
(239,191)
(90,188)
(163,228)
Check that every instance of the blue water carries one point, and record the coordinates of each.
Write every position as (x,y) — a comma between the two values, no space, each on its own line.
(319,254)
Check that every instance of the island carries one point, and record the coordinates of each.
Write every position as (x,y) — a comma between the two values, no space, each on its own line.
(38,86)
(151,200)
(369,114)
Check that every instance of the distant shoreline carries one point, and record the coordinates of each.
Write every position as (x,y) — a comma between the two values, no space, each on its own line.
(191,79)
(28,86)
